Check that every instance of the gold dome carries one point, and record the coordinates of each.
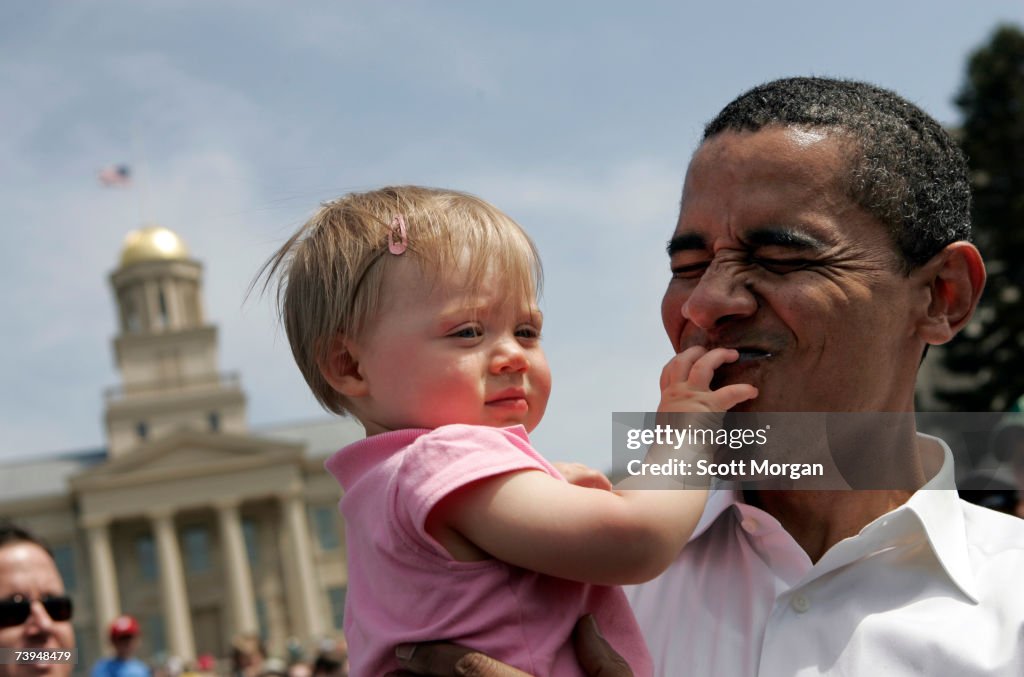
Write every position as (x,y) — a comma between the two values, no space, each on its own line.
(152,243)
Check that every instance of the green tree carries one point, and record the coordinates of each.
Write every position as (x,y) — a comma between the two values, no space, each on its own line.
(992,135)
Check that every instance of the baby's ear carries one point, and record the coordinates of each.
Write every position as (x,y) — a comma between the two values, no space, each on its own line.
(954,279)
(340,368)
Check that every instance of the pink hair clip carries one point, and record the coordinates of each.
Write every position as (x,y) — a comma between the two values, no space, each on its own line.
(397,228)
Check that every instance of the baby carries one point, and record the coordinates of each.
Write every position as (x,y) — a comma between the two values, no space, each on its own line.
(415,311)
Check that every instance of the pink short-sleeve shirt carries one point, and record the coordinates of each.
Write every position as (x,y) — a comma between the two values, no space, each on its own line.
(404,586)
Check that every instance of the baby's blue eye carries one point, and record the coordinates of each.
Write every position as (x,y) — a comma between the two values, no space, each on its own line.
(467,333)
(528,332)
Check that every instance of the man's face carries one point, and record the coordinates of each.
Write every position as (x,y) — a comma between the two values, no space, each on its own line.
(26,571)
(771,257)
(125,645)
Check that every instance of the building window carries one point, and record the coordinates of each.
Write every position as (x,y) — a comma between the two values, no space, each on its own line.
(250,532)
(325,525)
(192,306)
(197,549)
(214,419)
(131,316)
(64,556)
(337,597)
(146,551)
(142,430)
(162,302)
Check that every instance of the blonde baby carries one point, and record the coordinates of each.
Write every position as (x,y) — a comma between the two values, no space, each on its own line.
(415,311)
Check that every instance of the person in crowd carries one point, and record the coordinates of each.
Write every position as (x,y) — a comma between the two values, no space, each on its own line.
(274,667)
(124,636)
(332,658)
(247,655)
(330,664)
(205,665)
(35,610)
(300,669)
(824,233)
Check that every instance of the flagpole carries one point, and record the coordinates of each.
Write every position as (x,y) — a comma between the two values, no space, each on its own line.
(138,152)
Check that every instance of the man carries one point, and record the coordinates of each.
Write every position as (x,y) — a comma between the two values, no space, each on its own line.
(35,613)
(823,233)
(124,637)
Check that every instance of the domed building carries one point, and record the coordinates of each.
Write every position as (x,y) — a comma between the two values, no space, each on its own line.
(189,520)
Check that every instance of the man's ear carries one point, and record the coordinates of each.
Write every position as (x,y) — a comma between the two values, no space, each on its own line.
(340,368)
(953,279)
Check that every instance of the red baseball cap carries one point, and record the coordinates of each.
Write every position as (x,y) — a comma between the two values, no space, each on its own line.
(124,626)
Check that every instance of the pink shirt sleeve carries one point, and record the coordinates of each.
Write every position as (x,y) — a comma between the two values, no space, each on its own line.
(451,457)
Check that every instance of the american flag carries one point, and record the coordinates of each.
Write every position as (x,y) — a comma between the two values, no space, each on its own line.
(116,175)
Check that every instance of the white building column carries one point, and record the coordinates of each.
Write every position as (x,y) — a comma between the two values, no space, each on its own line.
(236,572)
(106,600)
(306,586)
(177,616)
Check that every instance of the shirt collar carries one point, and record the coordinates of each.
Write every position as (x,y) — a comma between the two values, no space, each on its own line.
(351,462)
(938,508)
(934,509)
(722,497)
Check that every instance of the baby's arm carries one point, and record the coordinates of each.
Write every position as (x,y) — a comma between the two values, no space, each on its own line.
(537,522)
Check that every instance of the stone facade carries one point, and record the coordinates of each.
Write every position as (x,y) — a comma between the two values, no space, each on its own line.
(188,520)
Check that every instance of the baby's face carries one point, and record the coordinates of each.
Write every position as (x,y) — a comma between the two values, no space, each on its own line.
(438,353)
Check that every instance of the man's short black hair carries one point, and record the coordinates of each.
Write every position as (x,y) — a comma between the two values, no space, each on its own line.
(11,533)
(905,169)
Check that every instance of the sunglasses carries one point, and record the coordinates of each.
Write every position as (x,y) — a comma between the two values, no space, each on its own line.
(16,610)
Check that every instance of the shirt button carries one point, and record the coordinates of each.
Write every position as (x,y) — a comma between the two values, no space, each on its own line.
(749,525)
(800,603)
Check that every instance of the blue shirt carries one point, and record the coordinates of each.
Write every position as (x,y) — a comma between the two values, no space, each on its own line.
(115,667)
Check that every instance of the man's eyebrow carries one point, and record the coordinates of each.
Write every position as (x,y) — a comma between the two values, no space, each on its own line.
(687,242)
(784,237)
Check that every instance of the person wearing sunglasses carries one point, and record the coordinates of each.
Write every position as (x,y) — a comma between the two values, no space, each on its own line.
(35,612)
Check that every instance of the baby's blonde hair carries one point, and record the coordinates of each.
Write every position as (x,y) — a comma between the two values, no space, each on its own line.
(330,273)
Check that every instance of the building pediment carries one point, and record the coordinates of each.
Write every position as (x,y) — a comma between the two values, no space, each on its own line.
(189,470)
(188,453)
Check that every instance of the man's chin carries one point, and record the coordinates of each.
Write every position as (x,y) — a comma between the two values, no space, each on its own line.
(747,407)
(37,670)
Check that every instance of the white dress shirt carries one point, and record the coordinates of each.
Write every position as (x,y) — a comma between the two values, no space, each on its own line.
(935,587)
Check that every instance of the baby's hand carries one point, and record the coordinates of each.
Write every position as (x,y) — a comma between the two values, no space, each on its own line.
(686,382)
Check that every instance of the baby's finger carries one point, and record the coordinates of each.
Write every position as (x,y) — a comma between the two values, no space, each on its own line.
(727,397)
(679,367)
(704,368)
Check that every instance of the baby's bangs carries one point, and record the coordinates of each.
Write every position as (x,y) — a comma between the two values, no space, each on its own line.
(495,247)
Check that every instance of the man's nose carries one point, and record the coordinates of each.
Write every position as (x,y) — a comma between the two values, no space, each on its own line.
(721,294)
(38,621)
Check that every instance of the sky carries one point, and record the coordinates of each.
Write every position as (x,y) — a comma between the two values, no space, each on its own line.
(239,118)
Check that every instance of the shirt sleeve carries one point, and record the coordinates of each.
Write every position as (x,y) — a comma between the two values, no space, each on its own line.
(448,458)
